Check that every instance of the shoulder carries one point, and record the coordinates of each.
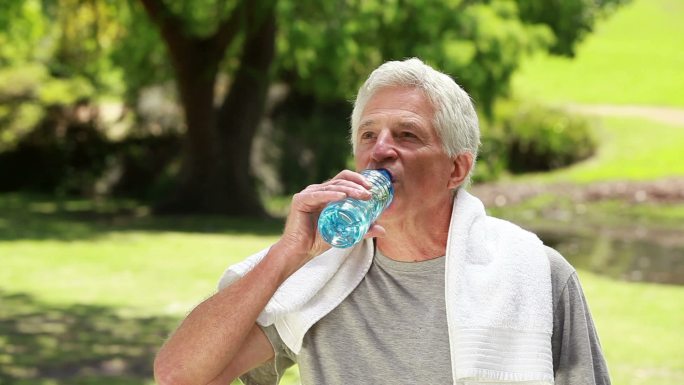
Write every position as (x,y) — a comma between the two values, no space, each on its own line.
(561,273)
(561,269)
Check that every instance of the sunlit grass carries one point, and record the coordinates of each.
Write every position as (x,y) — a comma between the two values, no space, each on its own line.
(163,272)
(116,279)
(78,252)
(640,329)
(634,57)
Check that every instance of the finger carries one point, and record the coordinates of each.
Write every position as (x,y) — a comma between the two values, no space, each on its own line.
(315,200)
(354,191)
(354,177)
(350,188)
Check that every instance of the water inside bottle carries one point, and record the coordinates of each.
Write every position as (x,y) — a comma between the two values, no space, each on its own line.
(343,223)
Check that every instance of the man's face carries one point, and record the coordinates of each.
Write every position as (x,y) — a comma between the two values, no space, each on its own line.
(396,132)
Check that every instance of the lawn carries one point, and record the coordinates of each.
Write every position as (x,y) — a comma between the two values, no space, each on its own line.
(89,293)
(79,252)
(90,290)
(640,329)
(633,57)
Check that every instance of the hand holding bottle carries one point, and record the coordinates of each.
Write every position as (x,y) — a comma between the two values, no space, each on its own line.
(344,223)
(301,241)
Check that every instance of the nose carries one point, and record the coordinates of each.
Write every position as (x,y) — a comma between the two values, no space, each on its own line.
(384,148)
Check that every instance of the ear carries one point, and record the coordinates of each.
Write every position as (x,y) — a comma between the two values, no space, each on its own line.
(462,163)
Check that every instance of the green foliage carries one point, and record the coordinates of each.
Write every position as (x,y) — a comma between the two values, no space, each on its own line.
(23,28)
(480,43)
(84,33)
(570,20)
(85,49)
(139,52)
(201,17)
(492,160)
(27,93)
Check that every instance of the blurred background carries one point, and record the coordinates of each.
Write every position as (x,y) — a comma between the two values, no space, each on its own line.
(145,145)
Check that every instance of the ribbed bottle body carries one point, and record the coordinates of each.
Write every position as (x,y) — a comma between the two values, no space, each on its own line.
(344,223)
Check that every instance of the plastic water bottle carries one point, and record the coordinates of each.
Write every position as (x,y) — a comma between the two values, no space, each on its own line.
(344,223)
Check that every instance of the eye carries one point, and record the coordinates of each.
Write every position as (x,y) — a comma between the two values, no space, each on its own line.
(367,135)
(408,134)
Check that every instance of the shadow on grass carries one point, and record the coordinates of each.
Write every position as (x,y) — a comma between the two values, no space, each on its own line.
(78,344)
(34,217)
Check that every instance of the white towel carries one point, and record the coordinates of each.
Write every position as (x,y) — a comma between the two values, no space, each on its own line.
(499,304)
(498,295)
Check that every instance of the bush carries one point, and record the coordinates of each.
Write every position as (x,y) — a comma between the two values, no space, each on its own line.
(542,139)
(67,153)
(144,164)
(492,160)
(530,138)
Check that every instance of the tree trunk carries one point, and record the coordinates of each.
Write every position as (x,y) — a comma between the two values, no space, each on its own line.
(198,185)
(215,174)
(240,115)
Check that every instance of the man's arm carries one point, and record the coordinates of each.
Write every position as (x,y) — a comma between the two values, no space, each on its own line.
(578,357)
(219,339)
(256,351)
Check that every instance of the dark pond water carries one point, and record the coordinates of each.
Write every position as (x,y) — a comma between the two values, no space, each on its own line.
(631,254)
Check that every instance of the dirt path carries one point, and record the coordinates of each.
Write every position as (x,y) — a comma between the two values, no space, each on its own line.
(668,190)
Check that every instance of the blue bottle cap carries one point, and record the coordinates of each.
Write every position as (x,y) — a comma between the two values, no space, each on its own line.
(387,174)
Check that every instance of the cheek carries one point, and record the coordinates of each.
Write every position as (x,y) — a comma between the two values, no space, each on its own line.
(361,160)
(427,178)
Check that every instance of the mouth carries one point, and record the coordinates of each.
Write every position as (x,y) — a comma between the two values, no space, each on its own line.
(390,172)
(379,167)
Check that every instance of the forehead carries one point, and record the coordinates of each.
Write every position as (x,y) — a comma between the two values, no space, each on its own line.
(399,101)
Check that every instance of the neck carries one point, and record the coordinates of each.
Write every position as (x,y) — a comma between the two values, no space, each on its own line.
(417,237)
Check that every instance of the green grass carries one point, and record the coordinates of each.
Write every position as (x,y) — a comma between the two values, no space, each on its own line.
(81,252)
(89,293)
(633,57)
(640,329)
(630,149)
(90,290)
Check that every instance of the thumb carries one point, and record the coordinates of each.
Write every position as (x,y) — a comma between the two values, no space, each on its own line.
(376,231)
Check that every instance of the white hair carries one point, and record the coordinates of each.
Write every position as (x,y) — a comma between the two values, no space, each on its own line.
(455,118)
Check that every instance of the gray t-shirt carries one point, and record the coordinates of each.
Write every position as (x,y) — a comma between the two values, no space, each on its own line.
(392,329)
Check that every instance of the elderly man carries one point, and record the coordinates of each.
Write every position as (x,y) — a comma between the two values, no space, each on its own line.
(437,293)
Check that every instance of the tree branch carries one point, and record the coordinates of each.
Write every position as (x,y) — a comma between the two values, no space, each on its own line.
(169,24)
(229,28)
(246,16)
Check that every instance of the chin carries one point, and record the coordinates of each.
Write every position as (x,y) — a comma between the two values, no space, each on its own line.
(389,213)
